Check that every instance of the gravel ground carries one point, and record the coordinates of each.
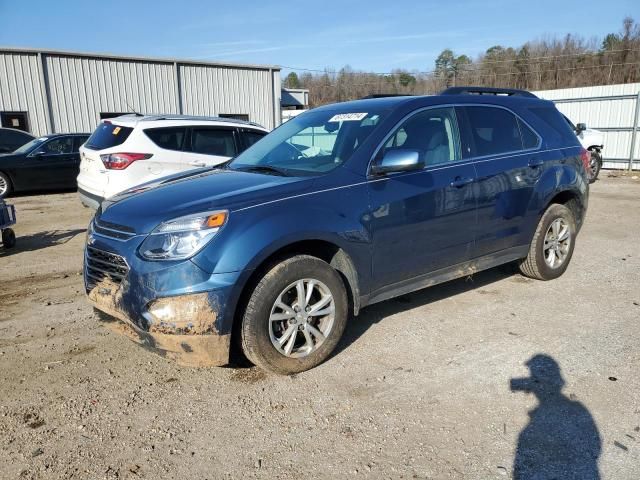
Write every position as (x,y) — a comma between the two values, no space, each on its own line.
(419,388)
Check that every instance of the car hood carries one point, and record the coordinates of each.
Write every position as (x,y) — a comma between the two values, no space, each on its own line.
(144,207)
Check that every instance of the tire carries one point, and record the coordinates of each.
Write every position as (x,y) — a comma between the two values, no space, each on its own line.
(8,238)
(536,265)
(596,165)
(5,185)
(259,333)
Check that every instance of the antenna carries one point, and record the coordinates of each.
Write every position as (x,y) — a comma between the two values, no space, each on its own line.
(133,111)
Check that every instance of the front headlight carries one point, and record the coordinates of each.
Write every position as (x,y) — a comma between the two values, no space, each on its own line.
(183,237)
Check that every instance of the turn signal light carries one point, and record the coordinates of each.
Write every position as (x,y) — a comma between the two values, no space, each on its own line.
(216,220)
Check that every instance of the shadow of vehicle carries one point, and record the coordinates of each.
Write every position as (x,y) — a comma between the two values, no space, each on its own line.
(37,241)
(35,193)
(373,314)
(561,440)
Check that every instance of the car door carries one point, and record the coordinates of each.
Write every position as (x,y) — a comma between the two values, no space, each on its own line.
(422,221)
(211,146)
(508,163)
(51,165)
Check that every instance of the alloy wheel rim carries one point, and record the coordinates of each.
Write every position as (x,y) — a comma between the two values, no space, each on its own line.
(557,242)
(301,318)
(3,186)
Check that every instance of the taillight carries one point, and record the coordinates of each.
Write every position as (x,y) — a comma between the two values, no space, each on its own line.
(120,161)
(585,156)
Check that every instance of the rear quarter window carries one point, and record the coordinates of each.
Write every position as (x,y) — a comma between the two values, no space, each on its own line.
(108,135)
(558,128)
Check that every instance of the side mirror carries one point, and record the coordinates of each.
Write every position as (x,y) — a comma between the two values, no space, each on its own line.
(581,127)
(38,153)
(398,160)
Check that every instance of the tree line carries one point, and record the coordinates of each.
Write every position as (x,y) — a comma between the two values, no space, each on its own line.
(570,61)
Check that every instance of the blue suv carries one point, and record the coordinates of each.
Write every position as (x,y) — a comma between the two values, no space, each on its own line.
(342,207)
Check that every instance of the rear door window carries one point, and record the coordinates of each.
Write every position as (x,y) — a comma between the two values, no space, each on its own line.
(170,138)
(108,135)
(213,141)
(494,131)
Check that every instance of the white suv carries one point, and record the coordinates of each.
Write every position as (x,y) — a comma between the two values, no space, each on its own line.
(132,149)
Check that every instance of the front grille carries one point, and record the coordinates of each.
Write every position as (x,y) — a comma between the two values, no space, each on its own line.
(100,265)
(112,230)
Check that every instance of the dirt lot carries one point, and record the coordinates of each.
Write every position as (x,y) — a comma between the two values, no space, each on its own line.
(418,389)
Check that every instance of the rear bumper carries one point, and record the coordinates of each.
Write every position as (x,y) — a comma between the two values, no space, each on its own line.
(89,200)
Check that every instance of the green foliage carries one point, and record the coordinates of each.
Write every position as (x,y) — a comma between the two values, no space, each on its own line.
(292,81)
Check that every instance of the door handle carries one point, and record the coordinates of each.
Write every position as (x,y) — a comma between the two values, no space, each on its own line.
(460,182)
(197,164)
(536,162)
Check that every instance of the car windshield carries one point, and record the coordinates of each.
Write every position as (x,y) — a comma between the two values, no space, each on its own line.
(27,147)
(310,144)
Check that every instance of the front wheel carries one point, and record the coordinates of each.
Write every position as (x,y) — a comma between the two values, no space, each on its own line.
(552,245)
(295,316)
(8,238)
(595,165)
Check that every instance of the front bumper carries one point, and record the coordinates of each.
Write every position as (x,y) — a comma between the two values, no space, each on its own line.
(175,309)
(188,343)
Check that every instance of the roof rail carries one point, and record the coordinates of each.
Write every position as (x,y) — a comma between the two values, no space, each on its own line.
(198,117)
(509,92)
(383,95)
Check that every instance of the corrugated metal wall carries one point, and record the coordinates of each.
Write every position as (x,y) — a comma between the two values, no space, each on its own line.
(66,92)
(215,91)
(81,88)
(610,108)
(21,89)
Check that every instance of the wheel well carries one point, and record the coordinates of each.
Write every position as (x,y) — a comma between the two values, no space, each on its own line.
(327,251)
(571,201)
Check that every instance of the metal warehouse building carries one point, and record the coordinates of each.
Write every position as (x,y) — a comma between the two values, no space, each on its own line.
(51,91)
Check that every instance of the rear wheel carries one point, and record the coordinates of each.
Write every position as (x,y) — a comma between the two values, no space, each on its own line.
(5,185)
(552,245)
(596,164)
(295,316)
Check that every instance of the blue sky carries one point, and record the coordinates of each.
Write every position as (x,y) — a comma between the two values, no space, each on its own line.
(369,35)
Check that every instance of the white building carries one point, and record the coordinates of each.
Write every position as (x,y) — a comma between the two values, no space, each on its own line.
(51,91)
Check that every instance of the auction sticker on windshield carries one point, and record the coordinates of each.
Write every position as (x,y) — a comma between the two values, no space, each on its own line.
(348,117)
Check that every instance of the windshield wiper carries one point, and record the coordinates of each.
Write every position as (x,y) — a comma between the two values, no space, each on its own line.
(267,169)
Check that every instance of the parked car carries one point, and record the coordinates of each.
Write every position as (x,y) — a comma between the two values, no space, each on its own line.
(11,139)
(339,208)
(49,162)
(593,141)
(132,149)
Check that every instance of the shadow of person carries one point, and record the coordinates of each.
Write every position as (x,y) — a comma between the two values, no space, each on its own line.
(561,440)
